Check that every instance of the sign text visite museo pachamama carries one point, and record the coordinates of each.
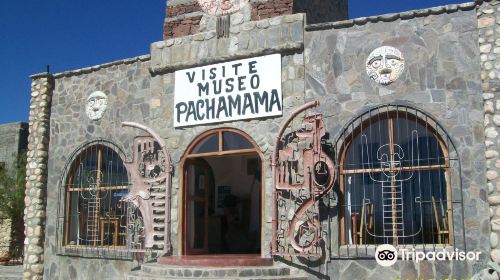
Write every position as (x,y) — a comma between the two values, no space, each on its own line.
(229,91)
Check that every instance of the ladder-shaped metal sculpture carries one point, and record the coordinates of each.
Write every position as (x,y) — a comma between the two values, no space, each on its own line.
(392,197)
(92,228)
(91,206)
(389,160)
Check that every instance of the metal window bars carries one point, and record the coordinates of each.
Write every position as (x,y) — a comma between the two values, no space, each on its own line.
(99,215)
(398,175)
(399,182)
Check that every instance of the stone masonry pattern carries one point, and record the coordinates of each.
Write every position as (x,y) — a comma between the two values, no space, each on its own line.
(263,10)
(13,138)
(489,46)
(441,78)
(36,176)
(325,62)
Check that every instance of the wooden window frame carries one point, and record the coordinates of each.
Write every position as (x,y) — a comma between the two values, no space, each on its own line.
(390,116)
(69,191)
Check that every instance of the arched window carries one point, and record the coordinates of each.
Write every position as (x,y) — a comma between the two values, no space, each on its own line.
(395,179)
(221,141)
(95,184)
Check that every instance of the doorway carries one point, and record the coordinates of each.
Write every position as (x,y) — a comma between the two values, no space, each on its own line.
(222,194)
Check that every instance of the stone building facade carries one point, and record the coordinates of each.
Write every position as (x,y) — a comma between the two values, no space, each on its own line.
(13,140)
(448,88)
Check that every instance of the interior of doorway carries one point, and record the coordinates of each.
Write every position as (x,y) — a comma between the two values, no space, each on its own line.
(223,204)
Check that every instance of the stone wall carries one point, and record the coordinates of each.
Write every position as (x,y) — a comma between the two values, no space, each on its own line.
(276,35)
(13,139)
(5,227)
(326,63)
(442,77)
(127,87)
(183,18)
(268,9)
(488,14)
(36,175)
(136,95)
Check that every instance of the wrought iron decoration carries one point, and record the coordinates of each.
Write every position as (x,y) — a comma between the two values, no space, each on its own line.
(302,173)
(150,171)
(390,158)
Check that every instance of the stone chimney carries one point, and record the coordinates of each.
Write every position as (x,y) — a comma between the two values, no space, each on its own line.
(185,17)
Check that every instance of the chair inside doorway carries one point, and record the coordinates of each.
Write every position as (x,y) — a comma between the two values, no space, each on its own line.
(222,194)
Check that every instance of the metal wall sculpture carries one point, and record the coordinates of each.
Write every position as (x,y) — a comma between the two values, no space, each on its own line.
(302,175)
(390,158)
(91,201)
(150,171)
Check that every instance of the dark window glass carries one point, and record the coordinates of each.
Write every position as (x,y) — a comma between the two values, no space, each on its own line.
(366,145)
(234,141)
(207,145)
(395,183)
(95,213)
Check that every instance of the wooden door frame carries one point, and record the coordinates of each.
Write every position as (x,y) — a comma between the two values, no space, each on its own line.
(181,234)
(206,166)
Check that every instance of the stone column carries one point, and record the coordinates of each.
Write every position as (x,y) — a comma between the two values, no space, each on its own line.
(489,46)
(36,175)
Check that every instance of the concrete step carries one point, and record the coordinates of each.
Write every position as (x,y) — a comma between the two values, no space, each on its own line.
(144,276)
(165,272)
(11,272)
(186,271)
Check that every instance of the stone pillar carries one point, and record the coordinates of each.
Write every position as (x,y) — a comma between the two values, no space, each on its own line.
(489,46)
(36,175)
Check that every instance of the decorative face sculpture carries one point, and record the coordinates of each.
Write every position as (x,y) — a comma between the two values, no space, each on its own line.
(385,65)
(96,105)
(221,7)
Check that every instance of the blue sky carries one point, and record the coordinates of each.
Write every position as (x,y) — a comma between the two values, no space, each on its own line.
(79,33)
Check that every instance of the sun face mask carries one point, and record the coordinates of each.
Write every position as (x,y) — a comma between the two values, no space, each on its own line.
(384,65)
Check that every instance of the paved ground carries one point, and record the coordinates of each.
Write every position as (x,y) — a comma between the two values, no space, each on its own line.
(11,272)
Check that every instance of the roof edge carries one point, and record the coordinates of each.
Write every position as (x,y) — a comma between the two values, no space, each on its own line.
(452,8)
(94,68)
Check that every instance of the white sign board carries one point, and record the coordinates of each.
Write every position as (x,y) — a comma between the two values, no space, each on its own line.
(229,91)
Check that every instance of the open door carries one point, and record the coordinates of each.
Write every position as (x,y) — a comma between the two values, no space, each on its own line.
(198,185)
(222,183)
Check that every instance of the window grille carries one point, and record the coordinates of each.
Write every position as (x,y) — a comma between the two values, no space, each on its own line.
(399,183)
(94,217)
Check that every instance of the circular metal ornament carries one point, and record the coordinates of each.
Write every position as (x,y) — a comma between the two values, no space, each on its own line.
(221,7)
(384,65)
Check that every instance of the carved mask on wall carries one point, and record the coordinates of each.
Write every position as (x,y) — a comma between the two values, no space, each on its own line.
(385,64)
(96,105)
(221,7)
